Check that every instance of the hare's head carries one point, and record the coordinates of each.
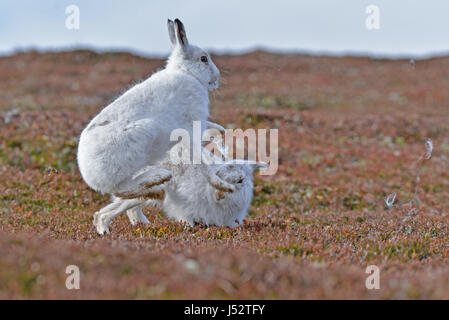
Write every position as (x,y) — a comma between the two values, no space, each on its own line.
(189,58)
(239,172)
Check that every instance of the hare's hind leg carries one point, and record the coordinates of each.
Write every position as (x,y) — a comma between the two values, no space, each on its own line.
(135,215)
(113,205)
(144,184)
(104,217)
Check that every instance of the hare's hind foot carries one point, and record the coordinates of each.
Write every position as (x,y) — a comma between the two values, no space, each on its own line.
(103,217)
(135,215)
(143,194)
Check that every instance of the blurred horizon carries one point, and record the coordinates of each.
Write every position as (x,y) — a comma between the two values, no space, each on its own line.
(408,29)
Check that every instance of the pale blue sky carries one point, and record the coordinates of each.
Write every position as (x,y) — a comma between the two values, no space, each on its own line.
(407,27)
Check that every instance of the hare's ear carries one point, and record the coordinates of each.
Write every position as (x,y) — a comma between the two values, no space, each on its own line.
(180,32)
(260,165)
(171,32)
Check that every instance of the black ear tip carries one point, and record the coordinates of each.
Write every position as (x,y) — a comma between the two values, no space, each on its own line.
(169,21)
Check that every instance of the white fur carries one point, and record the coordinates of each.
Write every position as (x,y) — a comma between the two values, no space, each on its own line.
(123,150)
(190,197)
(132,133)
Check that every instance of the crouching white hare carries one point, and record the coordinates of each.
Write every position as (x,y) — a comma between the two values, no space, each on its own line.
(193,195)
(119,149)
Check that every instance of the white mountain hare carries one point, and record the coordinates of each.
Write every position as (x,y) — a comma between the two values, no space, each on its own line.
(192,196)
(119,149)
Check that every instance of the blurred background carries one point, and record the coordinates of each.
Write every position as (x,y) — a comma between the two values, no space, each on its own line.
(407,27)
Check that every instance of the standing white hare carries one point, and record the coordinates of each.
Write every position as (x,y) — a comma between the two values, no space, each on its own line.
(120,148)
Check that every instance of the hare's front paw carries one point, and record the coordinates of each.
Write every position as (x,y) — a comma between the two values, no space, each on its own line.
(219,195)
(220,184)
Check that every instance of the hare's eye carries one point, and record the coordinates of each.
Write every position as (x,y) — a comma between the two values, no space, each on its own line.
(204,59)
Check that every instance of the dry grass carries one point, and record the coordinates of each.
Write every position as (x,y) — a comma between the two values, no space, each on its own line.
(350,130)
